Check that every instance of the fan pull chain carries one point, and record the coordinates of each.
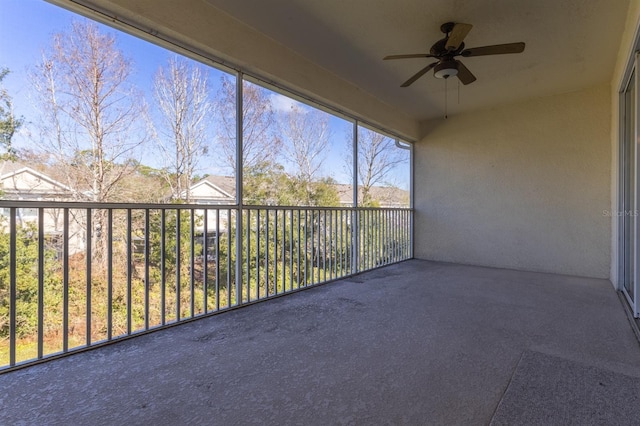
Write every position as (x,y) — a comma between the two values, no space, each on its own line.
(458,91)
(445,98)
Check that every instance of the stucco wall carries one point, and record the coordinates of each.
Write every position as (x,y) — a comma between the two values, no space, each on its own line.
(523,186)
(625,56)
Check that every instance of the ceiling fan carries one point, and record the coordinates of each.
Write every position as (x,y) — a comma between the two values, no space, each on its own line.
(448,48)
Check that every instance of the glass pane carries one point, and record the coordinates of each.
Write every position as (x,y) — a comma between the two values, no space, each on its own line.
(383,170)
(629,188)
(163,121)
(293,153)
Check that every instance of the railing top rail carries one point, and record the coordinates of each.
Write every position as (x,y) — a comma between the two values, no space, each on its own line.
(116,206)
(309,208)
(167,206)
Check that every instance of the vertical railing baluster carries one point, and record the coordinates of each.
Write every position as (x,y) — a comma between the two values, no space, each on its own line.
(320,242)
(371,231)
(217,285)
(369,239)
(376,230)
(307,262)
(409,234)
(13,285)
(229,248)
(248,265)
(192,262)
(392,229)
(275,251)
(205,259)
(110,274)
(88,276)
(394,235)
(399,238)
(337,244)
(372,238)
(402,235)
(355,240)
(266,251)
(177,253)
(376,241)
(363,243)
(299,243)
(378,237)
(284,245)
(387,214)
(361,240)
(258,231)
(40,282)
(345,242)
(324,246)
(397,235)
(339,250)
(163,277)
(65,280)
(330,212)
(314,247)
(385,236)
(147,285)
(291,224)
(129,270)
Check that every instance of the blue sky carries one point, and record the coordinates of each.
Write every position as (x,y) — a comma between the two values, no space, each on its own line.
(23,36)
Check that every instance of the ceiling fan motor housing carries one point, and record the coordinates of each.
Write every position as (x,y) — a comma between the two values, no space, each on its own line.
(446,69)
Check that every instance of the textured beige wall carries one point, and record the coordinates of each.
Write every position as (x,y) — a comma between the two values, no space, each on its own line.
(625,56)
(522,186)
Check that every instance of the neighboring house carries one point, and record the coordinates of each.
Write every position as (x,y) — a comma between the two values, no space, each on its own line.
(214,190)
(222,190)
(20,182)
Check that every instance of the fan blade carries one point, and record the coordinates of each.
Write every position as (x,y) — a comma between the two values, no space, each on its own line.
(457,35)
(465,76)
(415,55)
(419,74)
(497,49)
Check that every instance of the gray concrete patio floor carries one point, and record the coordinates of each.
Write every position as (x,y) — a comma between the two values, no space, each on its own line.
(414,343)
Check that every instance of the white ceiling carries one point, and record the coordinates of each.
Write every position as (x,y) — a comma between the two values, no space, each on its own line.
(570,44)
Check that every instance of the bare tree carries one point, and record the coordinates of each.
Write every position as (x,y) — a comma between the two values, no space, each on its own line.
(307,135)
(377,157)
(181,96)
(89,114)
(260,146)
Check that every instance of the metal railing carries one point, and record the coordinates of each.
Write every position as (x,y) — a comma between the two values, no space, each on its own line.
(78,275)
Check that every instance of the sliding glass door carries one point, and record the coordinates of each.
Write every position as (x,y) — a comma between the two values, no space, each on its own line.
(628,186)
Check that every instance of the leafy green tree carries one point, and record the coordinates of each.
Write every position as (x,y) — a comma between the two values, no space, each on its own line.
(26,258)
(9,123)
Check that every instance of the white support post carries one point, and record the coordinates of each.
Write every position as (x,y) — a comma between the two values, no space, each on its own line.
(239,186)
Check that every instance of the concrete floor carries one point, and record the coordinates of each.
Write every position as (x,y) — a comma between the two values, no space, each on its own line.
(414,343)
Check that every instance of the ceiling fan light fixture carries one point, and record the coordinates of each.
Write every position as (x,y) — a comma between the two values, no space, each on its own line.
(446,69)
